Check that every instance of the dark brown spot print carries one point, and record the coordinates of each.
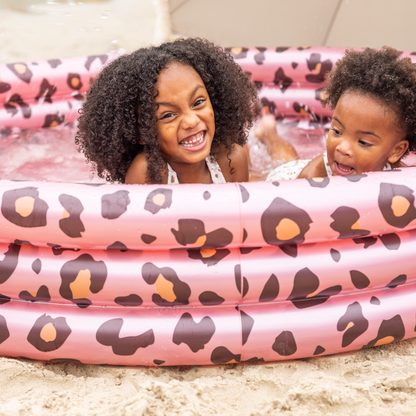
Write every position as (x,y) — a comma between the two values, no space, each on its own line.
(346,223)
(359,280)
(391,330)
(294,65)
(54,63)
(352,323)
(285,344)
(304,293)
(318,182)
(305,111)
(118,245)
(4,87)
(290,249)
(270,290)
(4,299)
(375,301)
(244,193)
(248,250)
(147,238)
(259,57)
(92,58)
(108,334)
(130,300)
(194,335)
(319,350)
(247,323)
(71,223)
(17,101)
(158,199)
(9,263)
(390,241)
(237,53)
(80,277)
(37,266)
(335,254)
(53,120)
(397,281)
(46,91)
(320,68)
(283,223)
(159,362)
(48,334)
(366,241)
(222,355)
(170,291)
(396,203)
(206,195)
(355,178)
(240,280)
(21,70)
(269,107)
(192,232)
(245,235)
(210,299)
(114,205)
(57,250)
(281,80)
(74,81)
(42,295)
(24,208)
(209,256)
(4,331)
(281,49)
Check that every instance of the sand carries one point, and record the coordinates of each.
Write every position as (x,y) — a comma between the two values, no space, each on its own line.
(375,381)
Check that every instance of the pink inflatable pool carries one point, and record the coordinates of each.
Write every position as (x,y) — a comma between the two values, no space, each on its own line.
(201,274)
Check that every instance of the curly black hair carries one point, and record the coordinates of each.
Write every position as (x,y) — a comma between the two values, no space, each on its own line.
(119,111)
(384,76)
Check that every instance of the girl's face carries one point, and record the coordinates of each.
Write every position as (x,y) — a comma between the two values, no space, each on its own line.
(185,118)
(364,135)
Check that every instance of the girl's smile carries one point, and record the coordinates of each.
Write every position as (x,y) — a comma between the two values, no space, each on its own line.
(365,134)
(185,116)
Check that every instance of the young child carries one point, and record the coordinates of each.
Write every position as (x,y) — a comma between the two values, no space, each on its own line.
(373,93)
(175,113)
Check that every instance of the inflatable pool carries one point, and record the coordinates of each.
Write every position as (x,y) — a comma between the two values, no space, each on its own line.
(201,274)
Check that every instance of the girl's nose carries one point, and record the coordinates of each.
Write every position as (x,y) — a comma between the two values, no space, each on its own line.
(345,148)
(190,120)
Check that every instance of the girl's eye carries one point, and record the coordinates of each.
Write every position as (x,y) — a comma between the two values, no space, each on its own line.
(363,143)
(168,115)
(199,102)
(336,131)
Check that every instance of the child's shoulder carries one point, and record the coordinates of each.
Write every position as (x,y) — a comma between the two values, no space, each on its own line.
(239,163)
(137,172)
(314,169)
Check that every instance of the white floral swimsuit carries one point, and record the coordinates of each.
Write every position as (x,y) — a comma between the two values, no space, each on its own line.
(292,169)
(214,170)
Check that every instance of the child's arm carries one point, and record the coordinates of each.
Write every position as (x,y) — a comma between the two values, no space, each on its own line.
(136,174)
(314,169)
(239,163)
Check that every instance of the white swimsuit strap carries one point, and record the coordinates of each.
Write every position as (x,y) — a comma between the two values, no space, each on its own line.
(327,167)
(214,170)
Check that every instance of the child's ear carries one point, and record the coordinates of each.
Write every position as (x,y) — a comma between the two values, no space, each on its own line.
(398,151)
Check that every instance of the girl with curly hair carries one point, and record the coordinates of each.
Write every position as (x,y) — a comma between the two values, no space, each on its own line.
(373,93)
(175,113)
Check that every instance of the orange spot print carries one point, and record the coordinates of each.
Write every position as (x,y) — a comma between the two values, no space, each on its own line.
(232,362)
(80,287)
(236,51)
(207,252)
(384,341)
(311,295)
(318,179)
(318,67)
(20,68)
(159,199)
(65,214)
(24,205)
(399,205)
(48,332)
(304,113)
(54,124)
(165,289)
(75,82)
(350,325)
(12,103)
(287,229)
(355,226)
(201,240)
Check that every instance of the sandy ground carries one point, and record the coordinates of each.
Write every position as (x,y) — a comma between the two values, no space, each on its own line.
(370,382)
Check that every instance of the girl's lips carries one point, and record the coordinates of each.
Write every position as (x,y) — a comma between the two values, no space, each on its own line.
(343,170)
(195,143)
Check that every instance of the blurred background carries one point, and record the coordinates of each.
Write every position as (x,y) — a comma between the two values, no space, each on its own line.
(43,29)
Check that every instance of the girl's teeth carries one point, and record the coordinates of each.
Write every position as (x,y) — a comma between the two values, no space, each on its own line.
(193,142)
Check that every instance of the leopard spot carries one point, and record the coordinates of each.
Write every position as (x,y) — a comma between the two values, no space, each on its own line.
(48,333)
(355,226)
(159,199)
(165,289)
(399,205)
(287,229)
(207,252)
(65,214)
(24,205)
(384,341)
(200,241)
(20,68)
(80,287)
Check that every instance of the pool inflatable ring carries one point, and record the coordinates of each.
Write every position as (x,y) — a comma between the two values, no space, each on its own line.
(202,274)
